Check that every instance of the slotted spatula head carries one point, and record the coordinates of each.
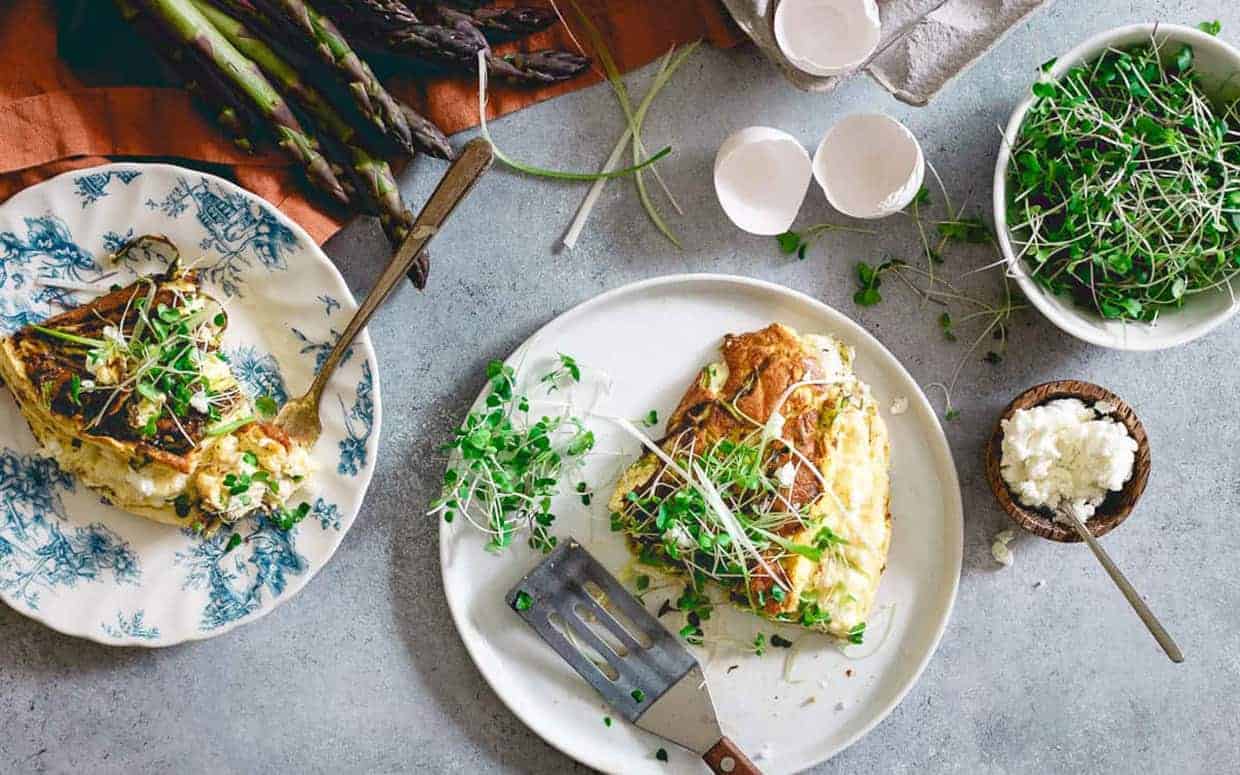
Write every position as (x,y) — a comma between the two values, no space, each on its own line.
(620,649)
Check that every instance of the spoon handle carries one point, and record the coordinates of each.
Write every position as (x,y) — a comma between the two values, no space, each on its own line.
(457,182)
(1155,627)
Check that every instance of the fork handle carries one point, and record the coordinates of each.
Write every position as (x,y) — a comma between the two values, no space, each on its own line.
(725,758)
(457,182)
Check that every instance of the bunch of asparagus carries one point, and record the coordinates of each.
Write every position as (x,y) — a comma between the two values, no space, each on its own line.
(288,71)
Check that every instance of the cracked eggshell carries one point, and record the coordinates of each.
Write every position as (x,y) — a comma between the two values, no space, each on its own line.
(761,178)
(827,37)
(869,165)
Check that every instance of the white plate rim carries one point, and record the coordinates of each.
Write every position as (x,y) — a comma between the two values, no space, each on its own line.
(951,488)
(362,341)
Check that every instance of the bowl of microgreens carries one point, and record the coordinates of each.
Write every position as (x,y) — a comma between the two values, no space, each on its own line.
(1117,187)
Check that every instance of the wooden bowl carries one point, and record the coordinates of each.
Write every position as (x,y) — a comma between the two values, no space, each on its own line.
(1117,506)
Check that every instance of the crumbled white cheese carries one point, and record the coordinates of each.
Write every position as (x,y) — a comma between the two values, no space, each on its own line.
(199,402)
(1061,456)
(1000,550)
(786,474)
(899,405)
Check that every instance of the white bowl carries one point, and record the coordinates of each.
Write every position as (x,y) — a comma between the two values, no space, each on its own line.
(869,166)
(1219,65)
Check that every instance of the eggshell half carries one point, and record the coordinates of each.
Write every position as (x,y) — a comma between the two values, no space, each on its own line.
(827,37)
(761,177)
(869,165)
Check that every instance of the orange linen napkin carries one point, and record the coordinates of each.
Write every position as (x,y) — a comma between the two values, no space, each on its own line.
(53,119)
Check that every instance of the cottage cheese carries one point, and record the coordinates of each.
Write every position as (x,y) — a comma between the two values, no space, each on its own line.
(1065,455)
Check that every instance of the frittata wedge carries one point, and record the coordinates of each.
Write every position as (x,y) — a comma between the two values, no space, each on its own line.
(788,504)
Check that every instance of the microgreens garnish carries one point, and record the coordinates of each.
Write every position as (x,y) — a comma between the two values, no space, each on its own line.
(661,754)
(1211,27)
(234,541)
(759,644)
(638,695)
(731,532)
(523,601)
(1123,187)
(856,633)
(285,518)
(511,465)
(156,352)
(266,406)
(650,419)
(606,721)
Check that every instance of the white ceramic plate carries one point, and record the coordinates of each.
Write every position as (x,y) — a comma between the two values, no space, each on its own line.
(87,569)
(651,338)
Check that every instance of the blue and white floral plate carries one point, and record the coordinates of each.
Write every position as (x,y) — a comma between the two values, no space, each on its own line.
(90,570)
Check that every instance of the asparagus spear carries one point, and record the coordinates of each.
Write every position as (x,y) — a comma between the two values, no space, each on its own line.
(184,24)
(389,27)
(537,66)
(498,24)
(301,29)
(371,177)
(200,79)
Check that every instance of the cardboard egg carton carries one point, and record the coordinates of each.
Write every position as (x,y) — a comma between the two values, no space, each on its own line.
(924,43)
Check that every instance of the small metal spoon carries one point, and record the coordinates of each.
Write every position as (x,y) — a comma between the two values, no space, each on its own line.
(1147,616)
(299,418)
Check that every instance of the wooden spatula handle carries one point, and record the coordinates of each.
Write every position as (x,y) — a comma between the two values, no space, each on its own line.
(725,758)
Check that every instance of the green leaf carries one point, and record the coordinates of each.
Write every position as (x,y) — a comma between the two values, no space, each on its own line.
(1044,89)
(1211,27)
(867,297)
(266,406)
(1184,58)
(523,601)
(789,242)
(945,324)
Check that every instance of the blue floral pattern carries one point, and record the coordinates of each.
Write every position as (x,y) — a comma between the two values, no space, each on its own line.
(258,373)
(329,303)
(236,580)
(133,627)
(238,229)
(94,186)
(359,422)
(39,551)
(320,350)
(328,514)
(60,545)
(113,241)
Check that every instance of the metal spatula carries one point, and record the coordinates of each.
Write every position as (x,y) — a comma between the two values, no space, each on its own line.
(623,651)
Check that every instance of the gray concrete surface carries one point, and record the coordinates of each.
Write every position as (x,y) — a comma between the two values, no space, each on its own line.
(364,672)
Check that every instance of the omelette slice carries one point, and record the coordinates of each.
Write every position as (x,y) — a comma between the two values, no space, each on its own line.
(772,484)
(131,394)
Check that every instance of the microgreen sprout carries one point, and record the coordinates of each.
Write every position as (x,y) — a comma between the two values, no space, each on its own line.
(512,465)
(799,242)
(1124,184)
